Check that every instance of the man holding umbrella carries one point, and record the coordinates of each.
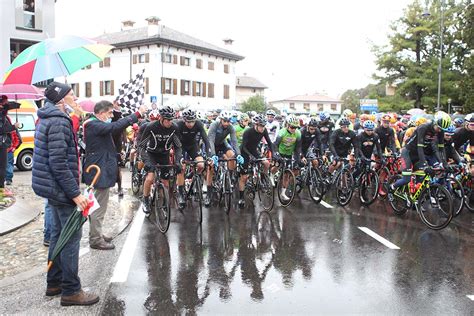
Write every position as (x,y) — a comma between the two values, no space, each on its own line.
(56,178)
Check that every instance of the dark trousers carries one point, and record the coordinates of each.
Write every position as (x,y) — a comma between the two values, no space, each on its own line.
(65,269)
(3,165)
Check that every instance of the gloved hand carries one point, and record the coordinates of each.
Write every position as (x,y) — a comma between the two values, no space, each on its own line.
(240,159)
(215,159)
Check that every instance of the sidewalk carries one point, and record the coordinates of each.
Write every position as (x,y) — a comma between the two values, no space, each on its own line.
(17,215)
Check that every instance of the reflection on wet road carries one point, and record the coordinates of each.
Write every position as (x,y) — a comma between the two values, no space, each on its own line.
(306,259)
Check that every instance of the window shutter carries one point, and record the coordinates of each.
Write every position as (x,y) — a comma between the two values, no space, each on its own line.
(182,87)
(211,90)
(175,59)
(175,86)
(226,68)
(181,60)
(194,88)
(226,91)
(101,64)
(101,88)
(134,59)
(112,87)
(88,89)
(199,63)
(163,87)
(147,57)
(147,85)
(77,90)
(210,65)
(107,62)
(203,89)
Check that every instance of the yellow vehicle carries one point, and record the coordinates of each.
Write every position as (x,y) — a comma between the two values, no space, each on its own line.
(26,115)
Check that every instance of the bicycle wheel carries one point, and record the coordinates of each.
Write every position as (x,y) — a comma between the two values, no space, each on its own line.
(384,177)
(368,187)
(399,199)
(161,207)
(197,192)
(287,195)
(315,186)
(344,187)
(136,181)
(457,193)
(266,192)
(435,206)
(468,187)
(227,193)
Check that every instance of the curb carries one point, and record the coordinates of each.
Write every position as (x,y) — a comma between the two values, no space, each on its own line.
(17,216)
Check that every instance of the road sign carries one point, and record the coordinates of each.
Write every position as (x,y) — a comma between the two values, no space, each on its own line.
(153,98)
(370,105)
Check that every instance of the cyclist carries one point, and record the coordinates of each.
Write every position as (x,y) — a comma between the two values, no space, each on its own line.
(217,134)
(326,126)
(249,149)
(465,134)
(359,126)
(243,124)
(346,114)
(341,142)
(458,122)
(310,139)
(366,142)
(272,126)
(429,135)
(411,130)
(159,137)
(386,135)
(288,145)
(190,130)
(449,149)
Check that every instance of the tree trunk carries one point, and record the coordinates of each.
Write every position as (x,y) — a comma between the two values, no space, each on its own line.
(418,89)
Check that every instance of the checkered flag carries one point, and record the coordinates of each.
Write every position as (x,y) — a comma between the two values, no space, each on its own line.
(131,94)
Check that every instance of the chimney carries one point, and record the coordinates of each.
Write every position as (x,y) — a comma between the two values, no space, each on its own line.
(228,41)
(154,28)
(127,25)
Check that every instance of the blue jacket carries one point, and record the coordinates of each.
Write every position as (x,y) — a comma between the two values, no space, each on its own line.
(100,149)
(55,157)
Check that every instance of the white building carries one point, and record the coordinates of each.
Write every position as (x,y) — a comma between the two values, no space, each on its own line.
(22,24)
(309,103)
(180,70)
(247,87)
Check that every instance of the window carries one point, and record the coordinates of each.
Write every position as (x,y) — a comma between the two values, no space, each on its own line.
(29,14)
(185,61)
(210,90)
(197,89)
(226,68)
(167,58)
(27,121)
(104,63)
(185,84)
(88,89)
(292,106)
(210,65)
(167,85)
(333,107)
(320,107)
(199,63)
(226,91)
(107,87)
(141,58)
(75,89)
(306,106)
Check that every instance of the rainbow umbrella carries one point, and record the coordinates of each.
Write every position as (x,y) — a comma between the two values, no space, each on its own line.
(54,57)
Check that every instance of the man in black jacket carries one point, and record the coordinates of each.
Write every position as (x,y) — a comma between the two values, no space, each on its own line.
(100,151)
(55,177)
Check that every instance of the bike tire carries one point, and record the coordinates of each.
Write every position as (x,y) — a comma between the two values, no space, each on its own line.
(161,207)
(344,187)
(368,179)
(266,192)
(291,189)
(433,214)
(315,186)
(397,202)
(384,177)
(197,187)
(227,193)
(468,187)
(136,183)
(458,195)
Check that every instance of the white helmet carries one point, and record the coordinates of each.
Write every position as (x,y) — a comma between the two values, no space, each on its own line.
(292,120)
(225,115)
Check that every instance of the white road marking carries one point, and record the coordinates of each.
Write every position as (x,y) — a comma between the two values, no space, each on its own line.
(125,260)
(379,238)
(83,251)
(471,297)
(326,205)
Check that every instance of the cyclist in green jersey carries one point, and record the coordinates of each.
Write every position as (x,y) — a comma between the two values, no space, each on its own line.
(241,126)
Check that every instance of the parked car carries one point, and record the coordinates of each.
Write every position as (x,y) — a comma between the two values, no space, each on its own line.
(27,117)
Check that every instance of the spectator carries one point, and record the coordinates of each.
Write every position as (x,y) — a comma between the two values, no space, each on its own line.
(16,142)
(56,178)
(100,150)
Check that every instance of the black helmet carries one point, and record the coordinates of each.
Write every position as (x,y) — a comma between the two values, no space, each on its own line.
(313,122)
(259,120)
(344,122)
(167,112)
(189,115)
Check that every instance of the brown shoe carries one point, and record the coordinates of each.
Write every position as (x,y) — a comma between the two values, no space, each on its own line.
(107,238)
(103,245)
(81,298)
(53,291)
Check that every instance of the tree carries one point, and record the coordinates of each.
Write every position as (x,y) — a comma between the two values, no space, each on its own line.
(254,103)
(351,98)
(410,61)
(466,87)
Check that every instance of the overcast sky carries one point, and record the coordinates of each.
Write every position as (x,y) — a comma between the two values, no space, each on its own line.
(294,47)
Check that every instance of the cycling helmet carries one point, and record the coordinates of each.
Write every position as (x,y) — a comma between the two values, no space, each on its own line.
(189,115)
(167,112)
(253,113)
(347,113)
(459,121)
(271,113)
(420,121)
(393,118)
(450,130)
(323,116)
(369,125)
(364,117)
(292,120)
(344,122)
(313,122)
(259,120)
(225,115)
(243,117)
(443,120)
(469,118)
(386,117)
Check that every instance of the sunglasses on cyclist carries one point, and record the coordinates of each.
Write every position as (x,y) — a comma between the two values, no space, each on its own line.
(292,127)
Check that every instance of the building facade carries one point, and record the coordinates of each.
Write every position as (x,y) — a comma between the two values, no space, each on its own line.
(22,24)
(309,103)
(247,87)
(180,70)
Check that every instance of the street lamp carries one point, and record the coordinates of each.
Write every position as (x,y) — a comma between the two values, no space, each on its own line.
(426,14)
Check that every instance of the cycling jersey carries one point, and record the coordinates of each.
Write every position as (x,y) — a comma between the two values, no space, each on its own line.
(250,141)
(217,135)
(190,137)
(461,136)
(287,143)
(239,132)
(425,140)
(387,138)
(340,142)
(160,140)
(325,128)
(366,144)
(310,140)
(450,151)
(273,128)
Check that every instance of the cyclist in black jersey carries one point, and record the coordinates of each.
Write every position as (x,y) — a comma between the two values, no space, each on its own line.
(188,130)
(160,137)
(326,127)
(249,149)
(386,134)
(449,149)
(341,142)
(465,134)
(366,142)
(311,140)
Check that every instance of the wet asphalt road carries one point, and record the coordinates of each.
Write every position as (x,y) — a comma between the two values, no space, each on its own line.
(305,259)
